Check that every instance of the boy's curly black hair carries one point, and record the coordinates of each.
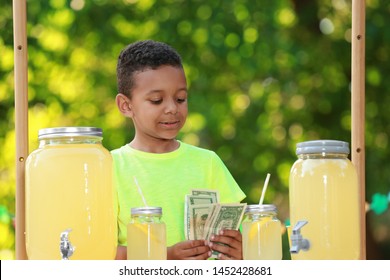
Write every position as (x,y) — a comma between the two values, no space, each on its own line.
(141,56)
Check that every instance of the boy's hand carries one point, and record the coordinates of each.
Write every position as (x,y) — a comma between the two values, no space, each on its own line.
(231,247)
(189,250)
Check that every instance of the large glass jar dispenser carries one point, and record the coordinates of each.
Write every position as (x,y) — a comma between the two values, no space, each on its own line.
(70,196)
(324,202)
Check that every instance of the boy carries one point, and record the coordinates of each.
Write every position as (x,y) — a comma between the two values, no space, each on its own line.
(153,93)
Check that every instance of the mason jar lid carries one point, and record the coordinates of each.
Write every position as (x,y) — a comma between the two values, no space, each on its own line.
(257,208)
(69,132)
(322,146)
(146,210)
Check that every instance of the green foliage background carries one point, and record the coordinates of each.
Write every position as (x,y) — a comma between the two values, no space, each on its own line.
(263,75)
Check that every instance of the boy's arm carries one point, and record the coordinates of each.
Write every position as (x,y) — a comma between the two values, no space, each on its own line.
(121,253)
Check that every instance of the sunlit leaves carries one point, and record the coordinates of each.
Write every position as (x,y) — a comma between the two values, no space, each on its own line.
(7,57)
(200,36)
(295,132)
(285,17)
(374,76)
(204,12)
(264,161)
(184,28)
(53,40)
(241,12)
(143,5)
(326,26)
(239,103)
(250,35)
(297,102)
(128,29)
(78,4)
(62,18)
(195,123)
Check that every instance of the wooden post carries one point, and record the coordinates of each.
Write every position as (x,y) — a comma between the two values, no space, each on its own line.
(21,121)
(358,107)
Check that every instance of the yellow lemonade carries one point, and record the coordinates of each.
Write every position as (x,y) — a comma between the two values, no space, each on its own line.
(146,241)
(261,233)
(262,239)
(324,192)
(70,187)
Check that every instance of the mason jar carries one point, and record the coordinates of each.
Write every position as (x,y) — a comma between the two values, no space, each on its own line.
(261,233)
(324,202)
(146,234)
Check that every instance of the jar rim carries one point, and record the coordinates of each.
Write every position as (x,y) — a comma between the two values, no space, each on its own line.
(146,210)
(322,146)
(260,208)
(70,131)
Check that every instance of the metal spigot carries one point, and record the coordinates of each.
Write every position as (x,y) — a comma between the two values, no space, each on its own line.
(297,241)
(66,247)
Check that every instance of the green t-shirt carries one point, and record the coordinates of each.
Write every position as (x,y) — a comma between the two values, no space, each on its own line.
(165,179)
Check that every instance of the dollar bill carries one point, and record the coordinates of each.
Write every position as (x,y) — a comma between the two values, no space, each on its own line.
(204,216)
(198,218)
(206,192)
(195,199)
(225,216)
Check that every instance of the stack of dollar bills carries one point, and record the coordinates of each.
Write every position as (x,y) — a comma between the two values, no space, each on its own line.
(205,216)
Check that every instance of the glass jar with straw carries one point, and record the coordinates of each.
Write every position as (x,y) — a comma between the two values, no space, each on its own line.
(261,231)
(146,233)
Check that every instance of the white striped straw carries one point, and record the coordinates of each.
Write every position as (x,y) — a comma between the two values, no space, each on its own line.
(264,188)
(140,191)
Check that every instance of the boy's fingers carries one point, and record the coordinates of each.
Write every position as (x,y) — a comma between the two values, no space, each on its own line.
(231,233)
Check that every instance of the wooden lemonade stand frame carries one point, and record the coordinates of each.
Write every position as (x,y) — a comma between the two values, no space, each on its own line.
(21,114)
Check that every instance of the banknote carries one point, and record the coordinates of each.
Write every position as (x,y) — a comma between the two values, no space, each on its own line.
(196,199)
(213,193)
(205,216)
(225,216)
(199,214)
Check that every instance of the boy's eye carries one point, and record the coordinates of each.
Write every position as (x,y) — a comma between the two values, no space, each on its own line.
(181,100)
(157,101)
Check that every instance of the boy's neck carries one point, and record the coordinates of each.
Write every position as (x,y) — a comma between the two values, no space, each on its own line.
(162,146)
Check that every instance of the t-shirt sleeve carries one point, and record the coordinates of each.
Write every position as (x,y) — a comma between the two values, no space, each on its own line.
(229,190)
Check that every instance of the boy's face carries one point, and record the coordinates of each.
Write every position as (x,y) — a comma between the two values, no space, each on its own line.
(158,104)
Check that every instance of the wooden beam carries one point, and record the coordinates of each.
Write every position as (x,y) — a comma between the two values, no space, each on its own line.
(21,121)
(358,108)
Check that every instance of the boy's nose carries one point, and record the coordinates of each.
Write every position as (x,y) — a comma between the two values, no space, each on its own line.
(171,107)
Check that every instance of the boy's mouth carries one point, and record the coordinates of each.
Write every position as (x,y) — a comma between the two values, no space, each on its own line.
(170,122)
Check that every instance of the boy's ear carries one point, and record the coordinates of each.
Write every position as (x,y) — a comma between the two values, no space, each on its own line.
(124,105)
